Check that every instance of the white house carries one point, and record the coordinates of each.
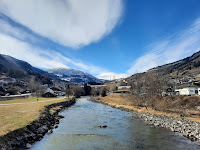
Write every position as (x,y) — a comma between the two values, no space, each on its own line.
(188,90)
(124,89)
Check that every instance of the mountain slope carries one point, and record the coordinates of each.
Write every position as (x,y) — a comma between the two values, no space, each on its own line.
(186,69)
(189,65)
(8,62)
(73,75)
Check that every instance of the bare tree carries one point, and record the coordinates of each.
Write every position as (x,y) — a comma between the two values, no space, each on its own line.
(148,86)
(68,91)
(36,88)
(33,85)
(77,91)
(104,92)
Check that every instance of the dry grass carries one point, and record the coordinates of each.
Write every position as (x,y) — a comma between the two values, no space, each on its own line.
(13,117)
(124,101)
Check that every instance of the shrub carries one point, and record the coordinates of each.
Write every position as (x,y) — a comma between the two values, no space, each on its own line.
(103,92)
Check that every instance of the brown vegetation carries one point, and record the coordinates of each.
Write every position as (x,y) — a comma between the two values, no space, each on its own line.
(180,107)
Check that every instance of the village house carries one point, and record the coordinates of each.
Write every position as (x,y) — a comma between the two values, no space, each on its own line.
(188,90)
(53,92)
(124,89)
(49,93)
(57,91)
(98,87)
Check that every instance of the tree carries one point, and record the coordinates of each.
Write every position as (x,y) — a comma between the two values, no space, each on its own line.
(94,92)
(68,91)
(33,84)
(87,89)
(148,87)
(77,91)
(39,91)
(103,92)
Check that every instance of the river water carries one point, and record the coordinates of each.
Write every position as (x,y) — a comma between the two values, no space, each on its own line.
(79,131)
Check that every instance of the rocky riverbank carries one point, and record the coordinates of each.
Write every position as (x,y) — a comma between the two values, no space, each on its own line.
(187,128)
(23,138)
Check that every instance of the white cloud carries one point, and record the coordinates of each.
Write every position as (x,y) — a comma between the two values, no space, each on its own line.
(13,41)
(21,50)
(111,75)
(173,48)
(39,57)
(16,32)
(72,23)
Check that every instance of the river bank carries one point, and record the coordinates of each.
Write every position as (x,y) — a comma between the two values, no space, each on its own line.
(184,127)
(82,129)
(24,137)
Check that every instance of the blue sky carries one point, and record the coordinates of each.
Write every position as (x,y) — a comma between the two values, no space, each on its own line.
(106,38)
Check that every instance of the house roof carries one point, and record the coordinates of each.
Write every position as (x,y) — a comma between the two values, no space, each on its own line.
(96,86)
(126,87)
(55,89)
(188,85)
(49,91)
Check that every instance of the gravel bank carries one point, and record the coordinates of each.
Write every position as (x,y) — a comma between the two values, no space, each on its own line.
(187,128)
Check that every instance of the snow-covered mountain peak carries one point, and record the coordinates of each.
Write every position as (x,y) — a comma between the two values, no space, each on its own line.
(73,75)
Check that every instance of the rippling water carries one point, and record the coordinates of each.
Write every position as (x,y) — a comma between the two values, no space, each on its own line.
(79,131)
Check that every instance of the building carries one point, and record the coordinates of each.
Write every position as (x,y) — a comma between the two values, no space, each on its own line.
(98,87)
(57,91)
(49,93)
(197,78)
(188,90)
(124,89)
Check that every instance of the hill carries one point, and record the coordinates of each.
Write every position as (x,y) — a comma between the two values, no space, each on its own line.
(186,66)
(184,70)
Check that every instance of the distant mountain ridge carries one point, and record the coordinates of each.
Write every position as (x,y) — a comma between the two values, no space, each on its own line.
(73,75)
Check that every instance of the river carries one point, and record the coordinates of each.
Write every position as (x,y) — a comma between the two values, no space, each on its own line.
(79,131)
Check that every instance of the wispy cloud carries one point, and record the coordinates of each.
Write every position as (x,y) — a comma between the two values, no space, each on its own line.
(173,48)
(40,57)
(17,42)
(72,23)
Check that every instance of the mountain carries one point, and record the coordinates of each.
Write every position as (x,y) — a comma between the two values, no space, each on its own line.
(73,75)
(70,75)
(8,63)
(186,66)
(186,69)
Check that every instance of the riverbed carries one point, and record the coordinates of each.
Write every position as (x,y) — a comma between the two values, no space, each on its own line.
(80,130)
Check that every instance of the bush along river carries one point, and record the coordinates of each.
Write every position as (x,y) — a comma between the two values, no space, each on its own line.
(88,125)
